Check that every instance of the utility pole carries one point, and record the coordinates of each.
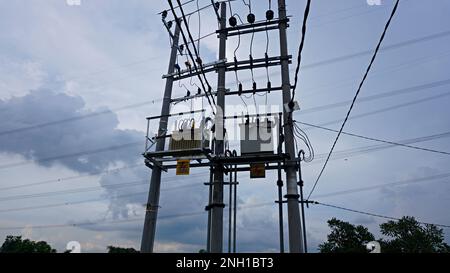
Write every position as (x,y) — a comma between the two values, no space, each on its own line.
(148,235)
(219,161)
(292,196)
(217,197)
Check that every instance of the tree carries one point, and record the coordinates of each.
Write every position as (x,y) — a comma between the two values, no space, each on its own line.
(15,244)
(113,249)
(409,236)
(346,238)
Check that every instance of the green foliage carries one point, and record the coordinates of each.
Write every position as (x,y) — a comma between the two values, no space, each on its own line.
(409,236)
(113,249)
(346,238)
(403,236)
(15,244)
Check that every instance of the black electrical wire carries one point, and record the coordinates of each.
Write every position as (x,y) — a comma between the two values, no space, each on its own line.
(183,4)
(199,27)
(190,53)
(326,62)
(300,50)
(97,188)
(390,108)
(249,5)
(138,143)
(375,215)
(238,82)
(80,117)
(298,132)
(194,47)
(395,92)
(202,37)
(376,139)
(345,154)
(385,185)
(394,10)
(70,203)
(181,215)
(64,156)
(62,179)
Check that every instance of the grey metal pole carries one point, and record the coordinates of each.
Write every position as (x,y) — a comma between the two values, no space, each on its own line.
(230,211)
(302,202)
(294,223)
(208,232)
(148,234)
(234,209)
(217,206)
(280,186)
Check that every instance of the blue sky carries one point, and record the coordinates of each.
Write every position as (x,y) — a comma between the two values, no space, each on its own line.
(59,61)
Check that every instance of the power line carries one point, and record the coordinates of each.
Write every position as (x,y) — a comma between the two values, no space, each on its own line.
(377,140)
(94,188)
(177,20)
(90,200)
(71,191)
(390,108)
(138,143)
(392,184)
(69,203)
(373,148)
(56,180)
(356,95)
(77,118)
(106,149)
(385,48)
(391,93)
(170,216)
(300,50)
(325,62)
(196,51)
(375,215)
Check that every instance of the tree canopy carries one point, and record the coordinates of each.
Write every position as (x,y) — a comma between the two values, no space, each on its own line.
(15,244)
(409,236)
(114,249)
(406,235)
(346,238)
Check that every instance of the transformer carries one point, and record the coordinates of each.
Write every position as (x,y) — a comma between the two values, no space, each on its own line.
(257,137)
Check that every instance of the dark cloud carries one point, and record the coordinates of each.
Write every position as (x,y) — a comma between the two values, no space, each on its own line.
(86,134)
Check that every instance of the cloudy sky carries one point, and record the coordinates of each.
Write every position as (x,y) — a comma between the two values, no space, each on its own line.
(76,83)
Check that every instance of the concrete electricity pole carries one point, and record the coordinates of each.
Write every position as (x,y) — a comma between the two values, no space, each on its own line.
(216,202)
(217,198)
(148,235)
(292,196)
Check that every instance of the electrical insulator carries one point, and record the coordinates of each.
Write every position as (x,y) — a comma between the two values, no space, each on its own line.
(217,5)
(254,87)
(181,48)
(251,18)
(269,86)
(199,91)
(232,21)
(188,93)
(178,68)
(199,61)
(164,14)
(240,89)
(188,64)
(169,24)
(269,15)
